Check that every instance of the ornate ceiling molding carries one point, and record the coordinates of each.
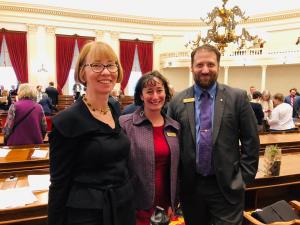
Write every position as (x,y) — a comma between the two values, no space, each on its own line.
(35,9)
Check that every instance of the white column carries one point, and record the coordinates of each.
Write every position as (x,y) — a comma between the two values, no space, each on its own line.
(226,68)
(156,51)
(32,52)
(114,36)
(263,77)
(50,57)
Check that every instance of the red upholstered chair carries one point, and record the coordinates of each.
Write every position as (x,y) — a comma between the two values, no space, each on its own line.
(49,123)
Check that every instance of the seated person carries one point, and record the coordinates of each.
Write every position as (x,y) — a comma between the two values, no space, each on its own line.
(5,100)
(47,105)
(282,115)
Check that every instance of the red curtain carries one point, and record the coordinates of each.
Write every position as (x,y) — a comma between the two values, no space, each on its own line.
(127,49)
(81,41)
(64,54)
(17,49)
(1,38)
(145,52)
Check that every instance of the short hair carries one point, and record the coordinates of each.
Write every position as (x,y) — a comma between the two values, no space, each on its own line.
(293,89)
(144,80)
(27,91)
(279,97)
(256,95)
(206,47)
(51,83)
(99,51)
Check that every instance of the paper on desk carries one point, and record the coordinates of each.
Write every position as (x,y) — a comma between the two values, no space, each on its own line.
(4,152)
(16,197)
(39,182)
(39,154)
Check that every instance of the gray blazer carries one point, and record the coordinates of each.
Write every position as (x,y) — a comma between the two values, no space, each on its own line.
(142,160)
(233,120)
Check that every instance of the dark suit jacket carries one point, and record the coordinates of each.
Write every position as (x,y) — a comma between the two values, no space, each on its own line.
(258,111)
(296,106)
(233,120)
(86,161)
(52,93)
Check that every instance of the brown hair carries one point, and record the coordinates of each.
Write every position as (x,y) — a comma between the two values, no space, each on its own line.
(206,47)
(98,51)
(279,97)
(146,79)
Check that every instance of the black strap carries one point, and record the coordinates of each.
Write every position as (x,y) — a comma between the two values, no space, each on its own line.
(23,118)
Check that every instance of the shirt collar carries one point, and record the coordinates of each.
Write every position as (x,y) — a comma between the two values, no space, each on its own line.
(212,90)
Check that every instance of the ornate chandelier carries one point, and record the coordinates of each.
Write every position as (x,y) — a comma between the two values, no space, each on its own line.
(222,32)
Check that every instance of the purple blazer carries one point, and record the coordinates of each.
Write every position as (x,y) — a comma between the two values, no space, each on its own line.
(142,160)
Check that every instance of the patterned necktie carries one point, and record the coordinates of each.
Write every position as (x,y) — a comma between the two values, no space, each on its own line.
(292,101)
(205,144)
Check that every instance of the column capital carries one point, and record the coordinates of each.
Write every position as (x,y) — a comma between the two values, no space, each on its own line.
(264,67)
(32,27)
(114,35)
(157,38)
(50,29)
(99,34)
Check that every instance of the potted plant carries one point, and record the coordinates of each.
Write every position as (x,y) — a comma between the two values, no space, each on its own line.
(272,160)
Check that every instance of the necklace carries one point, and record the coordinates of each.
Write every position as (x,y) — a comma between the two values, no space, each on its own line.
(102,111)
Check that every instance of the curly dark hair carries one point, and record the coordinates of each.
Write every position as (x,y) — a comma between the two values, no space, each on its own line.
(148,78)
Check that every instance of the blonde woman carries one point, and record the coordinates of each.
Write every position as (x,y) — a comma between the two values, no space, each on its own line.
(267,105)
(90,181)
(26,123)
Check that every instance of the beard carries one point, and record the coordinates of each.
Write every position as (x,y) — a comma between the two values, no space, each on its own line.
(205,81)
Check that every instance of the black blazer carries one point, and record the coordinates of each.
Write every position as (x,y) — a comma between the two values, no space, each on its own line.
(52,93)
(88,166)
(258,111)
(233,120)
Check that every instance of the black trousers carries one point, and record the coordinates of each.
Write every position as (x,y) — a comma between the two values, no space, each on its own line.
(206,205)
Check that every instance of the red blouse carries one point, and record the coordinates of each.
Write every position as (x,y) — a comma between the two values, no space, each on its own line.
(162,176)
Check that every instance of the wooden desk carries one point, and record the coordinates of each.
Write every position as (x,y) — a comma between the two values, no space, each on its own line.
(1,139)
(34,213)
(266,190)
(46,139)
(285,139)
(19,158)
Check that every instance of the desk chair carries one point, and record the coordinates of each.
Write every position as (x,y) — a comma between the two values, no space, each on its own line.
(253,221)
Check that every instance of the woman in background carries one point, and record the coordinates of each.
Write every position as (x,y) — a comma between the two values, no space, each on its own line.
(89,152)
(267,105)
(26,123)
(154,152)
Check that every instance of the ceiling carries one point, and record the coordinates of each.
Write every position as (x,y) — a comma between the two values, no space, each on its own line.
(187,9)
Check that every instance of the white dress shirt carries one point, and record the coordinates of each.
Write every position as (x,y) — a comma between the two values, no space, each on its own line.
(282,117)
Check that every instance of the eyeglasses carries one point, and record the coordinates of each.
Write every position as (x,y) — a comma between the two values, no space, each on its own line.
(98,67)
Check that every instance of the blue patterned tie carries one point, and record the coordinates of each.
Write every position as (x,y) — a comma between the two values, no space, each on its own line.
(205,144)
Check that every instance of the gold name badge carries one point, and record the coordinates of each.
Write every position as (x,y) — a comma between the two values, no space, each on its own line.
(171,134)
(187,100)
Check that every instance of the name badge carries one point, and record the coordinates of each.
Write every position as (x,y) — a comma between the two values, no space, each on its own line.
(188,100)
(171,134)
